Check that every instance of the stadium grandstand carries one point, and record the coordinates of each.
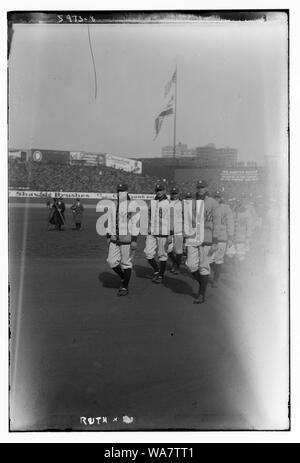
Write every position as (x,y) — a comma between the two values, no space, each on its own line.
(37,176)
(52,177)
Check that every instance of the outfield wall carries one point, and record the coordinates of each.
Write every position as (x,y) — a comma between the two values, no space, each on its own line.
(70,195)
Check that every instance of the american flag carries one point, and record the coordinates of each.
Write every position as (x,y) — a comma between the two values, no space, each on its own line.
(165,112)
(169,84)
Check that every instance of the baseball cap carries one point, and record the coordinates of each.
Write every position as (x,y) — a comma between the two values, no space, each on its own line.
(159,187)
(122,187)
(201,184)
(218,194)
(188,195)
(174,191)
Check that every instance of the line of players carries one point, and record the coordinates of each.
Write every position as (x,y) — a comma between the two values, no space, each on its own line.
(226,232)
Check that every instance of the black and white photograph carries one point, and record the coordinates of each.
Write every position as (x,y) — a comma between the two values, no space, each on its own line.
(148,220)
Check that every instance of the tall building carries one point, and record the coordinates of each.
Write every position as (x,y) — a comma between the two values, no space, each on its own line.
(227,156)
(180,150)
(210,156)
(207,155)
(204,156)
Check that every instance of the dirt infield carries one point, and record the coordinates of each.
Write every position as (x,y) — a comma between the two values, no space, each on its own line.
(152,360)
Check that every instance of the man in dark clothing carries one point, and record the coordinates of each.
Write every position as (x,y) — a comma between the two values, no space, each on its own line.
(56,215)
(77,211)
(175,248)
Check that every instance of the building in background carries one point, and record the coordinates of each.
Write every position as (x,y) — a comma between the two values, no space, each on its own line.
(210,156)
(227,156)
(207,156)
(181,149)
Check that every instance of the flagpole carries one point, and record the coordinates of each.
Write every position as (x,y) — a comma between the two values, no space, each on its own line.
(175,103)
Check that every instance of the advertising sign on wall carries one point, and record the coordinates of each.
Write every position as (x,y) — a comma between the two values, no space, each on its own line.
(71,195)
(239,176)
(89,159)
(50,156)
(126,164)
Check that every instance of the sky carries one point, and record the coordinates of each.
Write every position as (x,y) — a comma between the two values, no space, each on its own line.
(231,86)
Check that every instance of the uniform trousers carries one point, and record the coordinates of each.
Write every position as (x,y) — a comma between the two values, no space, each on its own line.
(156,244)
(199,258)
(120,254)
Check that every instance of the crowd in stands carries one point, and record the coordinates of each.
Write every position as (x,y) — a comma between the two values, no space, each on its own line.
(54,177)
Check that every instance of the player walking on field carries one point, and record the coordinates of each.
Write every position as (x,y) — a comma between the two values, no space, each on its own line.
(158,239)
(175,248)
(200,252)
(225,237)
(121,247)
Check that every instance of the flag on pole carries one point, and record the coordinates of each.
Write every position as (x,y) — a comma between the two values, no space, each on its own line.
(169,84)
(166,112)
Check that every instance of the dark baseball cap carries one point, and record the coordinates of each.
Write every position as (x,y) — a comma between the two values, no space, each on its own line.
(201,184)
(218,194)
(174,191)
(159,187)
(189,195)
(122,187)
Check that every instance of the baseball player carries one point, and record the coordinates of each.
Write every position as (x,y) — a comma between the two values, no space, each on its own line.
(121,248)
(200,252)
(157,241)
(175,248)
(225,237)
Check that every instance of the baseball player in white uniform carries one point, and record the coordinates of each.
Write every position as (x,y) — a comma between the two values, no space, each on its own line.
(121,248)
(225,237)
(158,238)
(175,248)
(201,250)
